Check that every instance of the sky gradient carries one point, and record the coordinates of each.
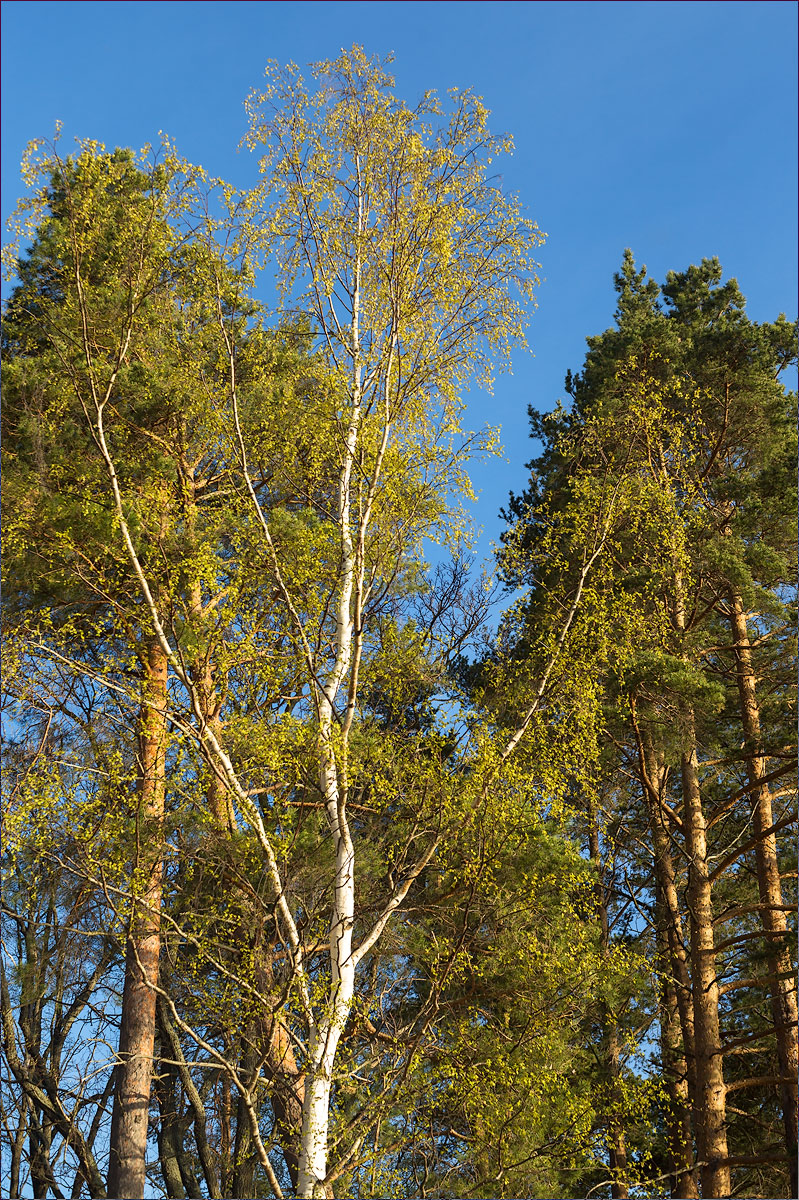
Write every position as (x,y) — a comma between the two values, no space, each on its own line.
(666,127)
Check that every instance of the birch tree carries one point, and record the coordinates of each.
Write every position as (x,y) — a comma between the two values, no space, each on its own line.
(388,229)
(415,271)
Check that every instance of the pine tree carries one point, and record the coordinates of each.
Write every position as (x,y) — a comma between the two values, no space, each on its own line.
(681,404)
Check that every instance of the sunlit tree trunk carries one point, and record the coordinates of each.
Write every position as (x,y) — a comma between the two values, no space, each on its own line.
(782,981)
(244,1160)
(675,1067)
(653,773)
(330,1024)
(710,1098)
(678,1039)
(225,1118)
(288,1095)
(618,1142)
(128,1145)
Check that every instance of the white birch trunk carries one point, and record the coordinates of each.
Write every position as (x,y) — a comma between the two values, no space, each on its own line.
(328,1028)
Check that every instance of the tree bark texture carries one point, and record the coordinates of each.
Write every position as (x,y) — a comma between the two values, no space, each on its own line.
(782,981)
(128,1144)
(710,1097)
(682,1185)
(654,778)
(327,1028)
(288,1094)
(710,1119)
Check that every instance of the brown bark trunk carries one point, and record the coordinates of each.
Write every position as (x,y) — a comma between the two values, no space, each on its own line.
(618,1142)
(128,1145)
(653,774)
(288,1095)
(710,1116)
(16,1152)
(677,1008)
(37,1158)
(287,1091)
(682,1185)
(171,1049)
(782,983)
(710,1119)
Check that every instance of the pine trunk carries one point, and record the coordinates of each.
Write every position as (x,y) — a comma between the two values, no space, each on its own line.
(288,1095)
(654,778)
(775,925)
(710,1096)
(616,1132)
(710,1118)
(675,1066)
(128,1145)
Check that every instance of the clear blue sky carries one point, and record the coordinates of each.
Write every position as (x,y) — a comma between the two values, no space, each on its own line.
(667,127)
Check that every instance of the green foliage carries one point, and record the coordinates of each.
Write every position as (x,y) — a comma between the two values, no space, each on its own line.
(252,501)
(673,456)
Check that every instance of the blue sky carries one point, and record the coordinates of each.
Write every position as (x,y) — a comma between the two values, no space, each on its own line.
(667,127)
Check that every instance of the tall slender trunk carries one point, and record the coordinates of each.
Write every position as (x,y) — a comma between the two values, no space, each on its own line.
(674,1063)
(781,981)
(288,1094)
(653,773)
(327,1029)
(267,1045)
(30,1024)
(280,1065)
(330,1024)
(128,1145)
(618,1141)
(710,1099)
(17,1148)
(678,1035)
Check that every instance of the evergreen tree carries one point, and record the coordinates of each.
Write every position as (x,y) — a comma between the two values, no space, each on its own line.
(681,405)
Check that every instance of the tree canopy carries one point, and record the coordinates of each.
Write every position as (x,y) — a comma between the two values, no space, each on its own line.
(315,887)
